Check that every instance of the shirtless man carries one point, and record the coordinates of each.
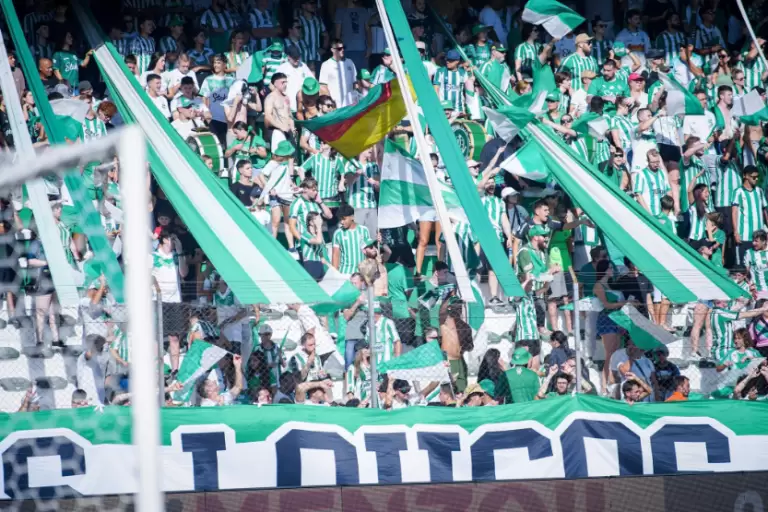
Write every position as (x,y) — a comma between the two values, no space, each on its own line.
(455,339)
(277,112)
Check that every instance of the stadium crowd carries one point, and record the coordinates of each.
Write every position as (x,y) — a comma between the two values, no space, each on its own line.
(705,182)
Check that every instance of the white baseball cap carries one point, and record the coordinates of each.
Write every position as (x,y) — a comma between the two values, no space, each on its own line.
(508,191)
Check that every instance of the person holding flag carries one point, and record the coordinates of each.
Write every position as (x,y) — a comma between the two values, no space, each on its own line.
(479,52)
(532,273)
(383,72)
(306,362)
(496,69)
(651,184)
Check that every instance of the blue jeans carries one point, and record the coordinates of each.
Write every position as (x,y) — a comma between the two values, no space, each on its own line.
(349,352)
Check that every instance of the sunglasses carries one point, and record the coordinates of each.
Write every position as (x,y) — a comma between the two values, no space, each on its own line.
(601,25)
(339,48)
(564,120)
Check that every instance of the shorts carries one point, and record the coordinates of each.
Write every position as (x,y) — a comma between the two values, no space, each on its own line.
(558,287)
(533,346)
(658,296)
(276,202)
(430,216)
(316,269)
(670,152)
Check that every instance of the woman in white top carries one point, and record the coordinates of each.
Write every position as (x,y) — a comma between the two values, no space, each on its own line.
(156,67)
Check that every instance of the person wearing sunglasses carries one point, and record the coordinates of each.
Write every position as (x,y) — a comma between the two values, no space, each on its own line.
(338,75)
(708,39)
(671,39)
(600,45)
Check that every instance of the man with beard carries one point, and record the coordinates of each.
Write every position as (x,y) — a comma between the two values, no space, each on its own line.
(534,277)
(579,61)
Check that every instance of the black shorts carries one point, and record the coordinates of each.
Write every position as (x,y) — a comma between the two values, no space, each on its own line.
(669,152)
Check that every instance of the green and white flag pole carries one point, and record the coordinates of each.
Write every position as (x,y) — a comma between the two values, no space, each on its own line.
(460,270)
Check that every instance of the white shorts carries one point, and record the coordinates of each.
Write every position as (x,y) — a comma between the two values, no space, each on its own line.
(430,216)
(658,297)
(277,138)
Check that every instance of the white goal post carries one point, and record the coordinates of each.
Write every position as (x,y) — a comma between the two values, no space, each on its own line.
(129,146)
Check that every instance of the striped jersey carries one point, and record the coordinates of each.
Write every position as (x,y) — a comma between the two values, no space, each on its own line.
(200,57)
(386,336)
(120,344)
(30,22)
(215,20)
(531,261)
(477,54)
(576,65)
(466,241)
(143,48)
(303,47)
(261,19)
(350,243)
(527,53)
(722,331)
(300,208)
(739,359)
(235,60)
(299,361)
(310,251)
(451,86)
(753,72)
(579,146)
(312,30)
(326,172)
(751,205)
(687,174)
(757,263)
(495,209)
(360,193)
(587,235)
(359,385)
(707,37)
(42,51)
(525,325)
(698,229)
(626,127)
(65,237)
(123,46)
(93,129)
(168,44)
(270,66)
(600,50)
(381,74)
(272,355)
(728,180)
(652,186)
(670,42)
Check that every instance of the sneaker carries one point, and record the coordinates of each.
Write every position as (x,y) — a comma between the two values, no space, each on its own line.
(58,343)
(495,301)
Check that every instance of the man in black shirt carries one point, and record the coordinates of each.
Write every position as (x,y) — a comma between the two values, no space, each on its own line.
(635,285)
(45,68)
(244,188)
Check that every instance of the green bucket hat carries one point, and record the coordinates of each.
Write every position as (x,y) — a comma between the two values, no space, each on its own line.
(284,148)
(364,74)
(276,46)
(520,357)
(488,386)
(479,28)
(176,21)
(310,87)
(447,105)
(537,230)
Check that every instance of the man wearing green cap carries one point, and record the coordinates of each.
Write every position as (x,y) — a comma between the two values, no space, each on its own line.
(523,383)
(278,192)
(496,69)
(362,85)
(295,72)
(479,52)
(383,72)
(532,264)
(273,57)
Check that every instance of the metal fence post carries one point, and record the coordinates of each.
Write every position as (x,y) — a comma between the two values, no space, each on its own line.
(577,334)
(372,349)
(160,361)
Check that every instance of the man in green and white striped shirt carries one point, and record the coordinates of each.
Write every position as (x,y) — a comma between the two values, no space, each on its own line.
(692,168)
(651,184)
(362,181)
(387,342)
(756,261)
(308,201)
(497,213)
(263,25)
(748,211)
(306,361)
(527,52)
(727,180)
(383,72)
(622,126)
(531,264)
(348,242)
(449,81)
(314,33)
(722,326)
(671,39)
(326,168)
(753,67)
(218,21)
(579,61)
(143,46)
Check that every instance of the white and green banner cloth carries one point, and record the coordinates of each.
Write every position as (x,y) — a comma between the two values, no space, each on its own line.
(555,17)
(339,288)
(527,163)
(254,264)
(644,333)
(426,362)
(197,362)
(404,194)
(680,101)
(295,446)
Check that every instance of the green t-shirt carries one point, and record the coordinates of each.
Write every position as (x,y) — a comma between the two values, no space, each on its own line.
(68,65)
(601,87)
(398,279)
(523,384)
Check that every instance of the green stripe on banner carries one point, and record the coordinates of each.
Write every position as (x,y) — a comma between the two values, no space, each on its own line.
(89,218)
(250,259)
(446,144)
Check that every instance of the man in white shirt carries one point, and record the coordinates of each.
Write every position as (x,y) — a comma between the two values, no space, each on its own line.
(187,97)
(186,120)
(154,85)
(337,76)
(579,97)
(172,79)
(295,71)
(430,66)
(208,389)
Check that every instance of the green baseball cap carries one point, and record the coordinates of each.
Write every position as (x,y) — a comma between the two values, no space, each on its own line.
(387,51)
(537,230)
(447,105)
(619,50)
(553,96)
(520,357)
(311,86)
(479,28)
(499,48)
(363,74)
(284,148)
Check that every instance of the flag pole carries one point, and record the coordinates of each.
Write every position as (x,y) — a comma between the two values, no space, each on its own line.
(751,31)
(371,346)
(459,268)
(577,334)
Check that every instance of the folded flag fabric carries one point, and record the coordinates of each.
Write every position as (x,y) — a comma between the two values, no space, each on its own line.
(426,362)
(340,289)
(527,163)
(555,17)
(642,331)
(679,99)
(252,69)
(592,124)
(200,358)
(75,109)
(761,116)
(404,194)
(507,121)
(350,130)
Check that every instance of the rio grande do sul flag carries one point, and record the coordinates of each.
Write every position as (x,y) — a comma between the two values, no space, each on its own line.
(404,194)
(353,129)
(555,17)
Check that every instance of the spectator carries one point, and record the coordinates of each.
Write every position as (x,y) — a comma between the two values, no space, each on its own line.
(337,76)
(666,373)
(307,363)
(94,369)
(523,383)
(630,363)
(635,390)
(682,389)
(556,379)
(208,389)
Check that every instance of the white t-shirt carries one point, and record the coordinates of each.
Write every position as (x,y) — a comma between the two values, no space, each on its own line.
(91,376)
(226,398)
(162,105)
(173,78)
(579,102)
(340,77)
(296,76)
(185,128)
(165,270)
(143,80)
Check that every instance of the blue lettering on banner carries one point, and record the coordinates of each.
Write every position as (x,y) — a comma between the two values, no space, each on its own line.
(387,448)
(205,460)
(289,447)
(440,447)
(629,448)
(665,453)
(483,461)
(16,466)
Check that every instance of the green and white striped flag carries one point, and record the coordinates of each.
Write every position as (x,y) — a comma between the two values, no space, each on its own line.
(199,359)
(594,125)
(341,291)
(555,17)
(426,362)
(527,163)
(679,99)
(404,194)
(507,121)
(252,69)
(646,334)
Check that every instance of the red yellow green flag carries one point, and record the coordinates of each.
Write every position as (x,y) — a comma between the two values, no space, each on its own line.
(350,130)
